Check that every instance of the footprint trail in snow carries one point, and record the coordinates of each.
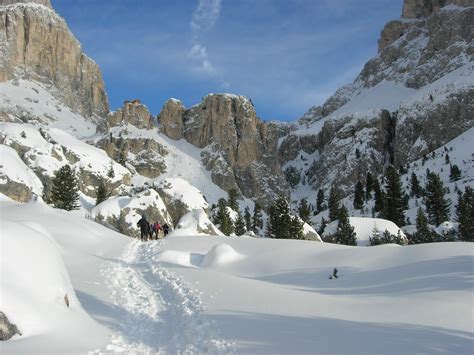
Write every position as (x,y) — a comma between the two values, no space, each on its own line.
(158,312)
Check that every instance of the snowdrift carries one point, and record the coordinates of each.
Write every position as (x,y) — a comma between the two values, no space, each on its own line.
(364,227)
(37,294)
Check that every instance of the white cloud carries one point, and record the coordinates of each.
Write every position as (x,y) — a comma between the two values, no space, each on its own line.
(205,15)
(203,19)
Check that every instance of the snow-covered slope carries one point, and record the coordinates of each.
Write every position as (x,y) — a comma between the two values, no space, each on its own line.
(217,294)
(31,101)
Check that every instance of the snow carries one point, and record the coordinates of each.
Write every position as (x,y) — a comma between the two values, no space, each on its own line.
(219,255)
(13,168)
(134,205)
(385,95)
(195,223)
(46,150)
(216,294)
(182,190)
(33,286)
(32,99)
(364,226)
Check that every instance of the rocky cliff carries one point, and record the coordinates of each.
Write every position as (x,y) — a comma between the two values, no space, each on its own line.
(36,44)
(238,148)
(414,96)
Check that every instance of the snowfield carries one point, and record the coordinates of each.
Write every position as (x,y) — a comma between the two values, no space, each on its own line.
(216,294)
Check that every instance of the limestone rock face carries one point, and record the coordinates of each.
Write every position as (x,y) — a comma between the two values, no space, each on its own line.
(36,44)
(424,8)
(171,119)
(132,112)
(413,53)
(429,50)
(143,155)
(239,149)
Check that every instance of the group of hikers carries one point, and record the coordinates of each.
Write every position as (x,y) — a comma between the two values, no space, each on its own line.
(150,231)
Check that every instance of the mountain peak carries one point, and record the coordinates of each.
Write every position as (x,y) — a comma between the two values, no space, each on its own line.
(46,3)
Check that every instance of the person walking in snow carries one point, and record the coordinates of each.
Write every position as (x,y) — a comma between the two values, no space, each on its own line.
(166,229)
(157,228)
(150,231)
(144,228)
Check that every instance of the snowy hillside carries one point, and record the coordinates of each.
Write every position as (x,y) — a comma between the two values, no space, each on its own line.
(220,294)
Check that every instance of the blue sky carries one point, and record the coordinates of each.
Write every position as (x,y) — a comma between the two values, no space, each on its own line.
(286,55)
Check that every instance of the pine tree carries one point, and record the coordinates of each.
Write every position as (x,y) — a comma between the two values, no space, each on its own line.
(281,224)
(247,219)
(296,228)
(103,192)
(379,195)
(111,173)
(436,205)
(232,198)
(64,191)
(415,188)
(333,203)
(303,210)
(455,173)
(375,237)
(257,220)
(320,201)
(322,226)
(122,159)
(359,196)
(465,215)
(345,232)
(394,198)
(222,218)
(240,224)
(369,186)
(423,233)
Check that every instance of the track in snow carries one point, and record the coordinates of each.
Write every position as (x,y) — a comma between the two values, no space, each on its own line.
(160,312)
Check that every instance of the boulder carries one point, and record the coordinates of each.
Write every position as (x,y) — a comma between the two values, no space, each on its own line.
(7,329)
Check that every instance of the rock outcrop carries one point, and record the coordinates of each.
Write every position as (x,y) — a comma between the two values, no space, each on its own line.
(36,44)
(124,143)
(239,149)
(424,8)
(430,52)
(7,329)
(133,112)
(171,119)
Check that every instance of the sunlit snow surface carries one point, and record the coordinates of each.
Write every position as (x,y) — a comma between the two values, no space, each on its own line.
(215,294)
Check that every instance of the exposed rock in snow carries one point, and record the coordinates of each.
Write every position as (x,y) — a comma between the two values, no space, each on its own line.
(17,180)
(123,212)
(240,150)
(45,151)
(7,329)
(134,113)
